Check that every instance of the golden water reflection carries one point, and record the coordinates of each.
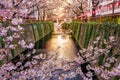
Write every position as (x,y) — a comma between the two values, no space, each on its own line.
(67,48)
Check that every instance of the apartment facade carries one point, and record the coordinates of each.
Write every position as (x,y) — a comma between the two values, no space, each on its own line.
(107,7)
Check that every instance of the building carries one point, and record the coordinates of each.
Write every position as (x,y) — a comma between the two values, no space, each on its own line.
(107,7)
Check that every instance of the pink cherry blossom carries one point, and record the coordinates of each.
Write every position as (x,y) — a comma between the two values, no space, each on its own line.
(22,43)
(3,32)
(107,65)
(13,28)
(14,21)
(105,76)
(34,62)
(10,38)
(30,46)
(20,28)
(43,65)
(112,38)
(12,46)
(27,64)
(15,35)
(18,64)
(20,21)
(4,19)
(113,73)
(98,38)
(1,57)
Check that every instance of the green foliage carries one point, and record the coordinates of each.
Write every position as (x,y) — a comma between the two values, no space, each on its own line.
(76,28)
(79,30)
(66,26)
(117,78)
(119,20)
(94,29)
(13,53)
(110,28)
(4,24)
(46,29)
(42,30)
(39,29)
(33,31)
(101,59)
(109,19)
(51,25)
(75,31)
(2,42)
(110,53)
(117,55)
(1,62)
(88,34)
(118,30)
(106,28)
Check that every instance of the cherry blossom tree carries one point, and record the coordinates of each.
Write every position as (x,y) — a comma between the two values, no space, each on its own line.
(13,13)
(40,65)
(76,7)
(37,64)
(44,8)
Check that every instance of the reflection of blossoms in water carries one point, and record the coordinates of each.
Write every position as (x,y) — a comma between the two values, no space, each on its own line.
(63,36)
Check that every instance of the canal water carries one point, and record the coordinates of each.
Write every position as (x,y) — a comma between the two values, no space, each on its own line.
(65,45)
(67,48)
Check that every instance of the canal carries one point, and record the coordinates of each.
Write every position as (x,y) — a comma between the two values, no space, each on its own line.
(63,43)
(67,48)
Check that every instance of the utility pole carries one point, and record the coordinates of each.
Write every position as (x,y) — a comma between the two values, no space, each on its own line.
(94,5)
(93,9)
(113,7)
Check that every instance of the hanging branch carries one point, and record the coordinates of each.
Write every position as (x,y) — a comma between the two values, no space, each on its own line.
(18,3)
